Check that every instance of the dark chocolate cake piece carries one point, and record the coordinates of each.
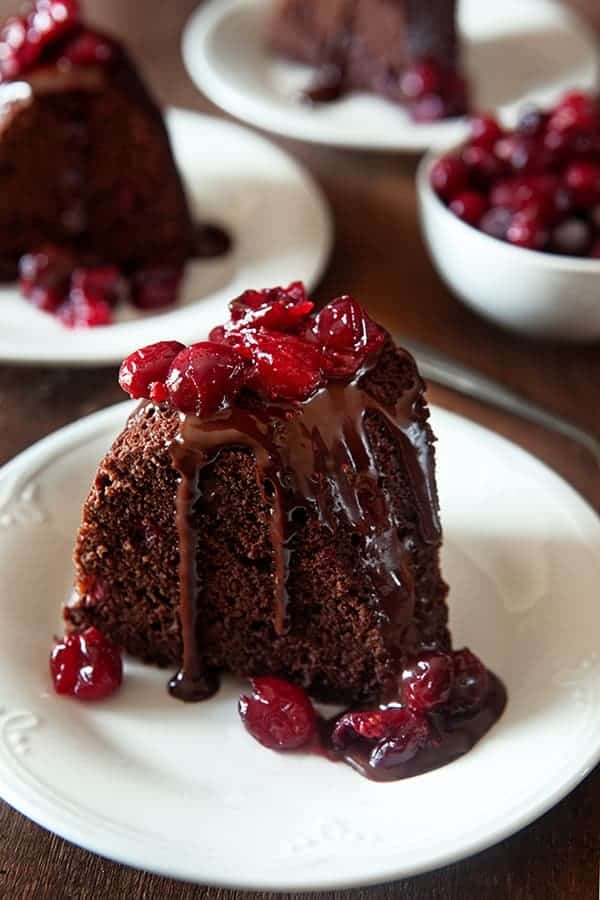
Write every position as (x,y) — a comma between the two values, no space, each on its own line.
(85,159)
(270,508)
(406,50)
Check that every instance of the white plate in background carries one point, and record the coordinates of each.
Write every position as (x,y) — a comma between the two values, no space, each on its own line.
(516,52)
(276,214)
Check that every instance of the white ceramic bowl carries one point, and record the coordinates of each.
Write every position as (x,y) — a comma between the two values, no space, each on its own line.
(538,294)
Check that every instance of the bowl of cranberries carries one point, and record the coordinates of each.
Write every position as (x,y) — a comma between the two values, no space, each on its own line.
(512,219)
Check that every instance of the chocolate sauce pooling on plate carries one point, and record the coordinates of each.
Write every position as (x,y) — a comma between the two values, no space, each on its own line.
(210,241)
(453,737)
(302,451)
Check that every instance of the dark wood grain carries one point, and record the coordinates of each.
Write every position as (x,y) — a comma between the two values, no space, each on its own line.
(380,257)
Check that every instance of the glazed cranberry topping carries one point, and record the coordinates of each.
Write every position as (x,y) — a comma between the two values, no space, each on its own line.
(87,666)
(23,39)
(148,366)
(88,48)
(346,335)
(470,685)
(536,187)
(278,714)
(281,366)
(204,378)
(271,345)
(278,309)
(427,681)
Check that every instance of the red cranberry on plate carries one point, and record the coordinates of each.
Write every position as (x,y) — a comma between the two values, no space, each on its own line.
(278,714)
(86,665)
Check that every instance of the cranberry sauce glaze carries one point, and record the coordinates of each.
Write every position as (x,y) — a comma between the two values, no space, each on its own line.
(314,442)
(314,458)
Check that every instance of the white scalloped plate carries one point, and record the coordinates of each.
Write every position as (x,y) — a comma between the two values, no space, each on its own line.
(183,790)
(515,52)
(278,218)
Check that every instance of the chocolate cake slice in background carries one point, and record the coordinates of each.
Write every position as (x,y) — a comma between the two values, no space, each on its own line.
(372,45)
(346,628)
(85,159)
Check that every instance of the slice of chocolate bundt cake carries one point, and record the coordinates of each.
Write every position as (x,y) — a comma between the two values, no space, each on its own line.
(85,159)
(270,508)
(407,50)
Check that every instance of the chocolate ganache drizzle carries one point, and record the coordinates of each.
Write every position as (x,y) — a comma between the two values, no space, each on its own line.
(312,458)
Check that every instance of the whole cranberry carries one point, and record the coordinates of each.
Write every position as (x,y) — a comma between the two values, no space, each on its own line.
(482,164)
(279,715)
(583,181)
(148,366)
(420,79)
(469,206)
(471,683)
(427,681)
(485,131)
(402,746)
(205,378)
(496,222)
(572,237)
(575,113)
(448,176)
(280,366)
(155,288)
(504,193)
(527,230)
(517,151)
(346,335)
(86,665)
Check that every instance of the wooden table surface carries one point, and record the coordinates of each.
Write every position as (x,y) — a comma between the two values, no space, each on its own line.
(378,256)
